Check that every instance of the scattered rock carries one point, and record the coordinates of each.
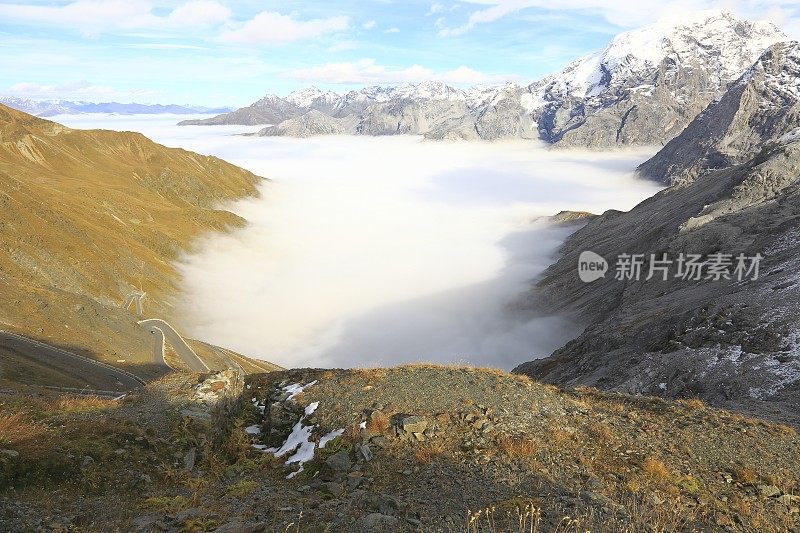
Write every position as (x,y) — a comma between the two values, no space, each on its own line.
(376,523)
(768,491)
(339,462)
(189,459)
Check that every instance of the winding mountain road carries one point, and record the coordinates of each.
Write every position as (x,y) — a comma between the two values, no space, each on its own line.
(164,332)
(96,374)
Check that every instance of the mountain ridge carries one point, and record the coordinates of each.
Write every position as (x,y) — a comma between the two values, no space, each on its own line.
(49,108)
(641,89)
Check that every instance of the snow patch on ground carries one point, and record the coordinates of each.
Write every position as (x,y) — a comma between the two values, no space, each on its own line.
(329,437)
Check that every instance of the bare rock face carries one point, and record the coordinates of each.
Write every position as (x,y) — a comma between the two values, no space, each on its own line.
(309,124)
(761,105)
(734,344)
(269,110)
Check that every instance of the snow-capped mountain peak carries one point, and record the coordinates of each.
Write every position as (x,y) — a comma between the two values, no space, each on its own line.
(719,42)
(306,98)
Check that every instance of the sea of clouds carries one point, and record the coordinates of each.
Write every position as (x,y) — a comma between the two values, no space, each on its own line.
(375,251)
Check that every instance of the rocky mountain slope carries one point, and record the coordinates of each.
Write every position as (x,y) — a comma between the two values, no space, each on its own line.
(647,84)
(732,342)
(761,105)
(406,449)
(91,216)
(643,88)
(49,108)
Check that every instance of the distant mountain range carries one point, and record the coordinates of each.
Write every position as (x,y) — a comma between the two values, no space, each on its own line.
(643,88)
(49,108)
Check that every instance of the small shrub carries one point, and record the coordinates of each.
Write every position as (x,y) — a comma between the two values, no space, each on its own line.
(517,447)
(378,423)
(242,488)
(746,475)
(655,470)
(693,403)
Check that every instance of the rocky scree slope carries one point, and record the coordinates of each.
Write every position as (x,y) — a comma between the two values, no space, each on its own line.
(421,449)
(734,344)
(762,105)
(90,216)
(642,89)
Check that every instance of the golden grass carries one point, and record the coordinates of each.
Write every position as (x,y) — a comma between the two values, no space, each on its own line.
(746,475)
(378,423)
(517,447)
(80,404)
(16,429)
(692,403)
(430,450)
(655,470)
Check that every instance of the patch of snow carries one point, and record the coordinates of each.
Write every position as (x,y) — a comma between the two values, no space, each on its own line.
(310,408)
(252,430)
(296,388)
(329,437)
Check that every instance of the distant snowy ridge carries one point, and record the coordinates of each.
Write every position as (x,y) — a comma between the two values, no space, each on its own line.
(49,108)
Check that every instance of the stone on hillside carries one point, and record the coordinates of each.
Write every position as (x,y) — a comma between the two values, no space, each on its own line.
(376,523)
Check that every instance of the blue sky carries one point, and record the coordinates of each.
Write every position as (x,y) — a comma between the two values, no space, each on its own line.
(218,52)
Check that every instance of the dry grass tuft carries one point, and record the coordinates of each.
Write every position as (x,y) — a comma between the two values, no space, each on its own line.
(655,470)
(15,429)
(517,447)
(601,433)
(692,403)
(378,423)
(429,450)
(80,404)
(746,475)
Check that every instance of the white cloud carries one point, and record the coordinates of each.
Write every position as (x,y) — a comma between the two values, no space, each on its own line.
(81,90)
(367,71)
(392,30)
(343,46)
(276,28)
(93,17)
(165,46)
(369,24)
(199,13)
(435,8)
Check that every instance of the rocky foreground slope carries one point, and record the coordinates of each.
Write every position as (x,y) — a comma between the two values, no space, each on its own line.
(642,89)
(87,218)
(390,450)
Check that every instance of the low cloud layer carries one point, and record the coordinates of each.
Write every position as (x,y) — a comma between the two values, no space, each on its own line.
(375,251)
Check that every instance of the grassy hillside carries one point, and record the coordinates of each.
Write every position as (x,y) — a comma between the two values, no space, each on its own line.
(89,216)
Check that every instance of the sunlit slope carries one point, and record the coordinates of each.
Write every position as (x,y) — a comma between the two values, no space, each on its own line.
(86,217)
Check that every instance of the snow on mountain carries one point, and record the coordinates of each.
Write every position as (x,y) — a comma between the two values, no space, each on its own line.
(311,96)
(641,89)
(649,83)
(720,43)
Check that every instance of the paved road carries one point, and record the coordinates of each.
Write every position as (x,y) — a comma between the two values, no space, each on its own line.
(95,374)
(163,333)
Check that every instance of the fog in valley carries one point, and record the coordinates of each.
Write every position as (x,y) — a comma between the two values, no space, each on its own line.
(378,251)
